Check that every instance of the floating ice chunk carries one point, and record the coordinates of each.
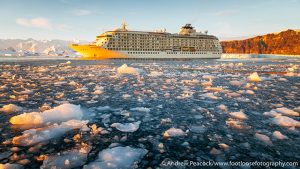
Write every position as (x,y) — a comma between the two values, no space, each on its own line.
(104,108)
(42,69)
(166,120)
(286,111)
(68,159)
(210,95)
(279,136)
(95,129)
(222,107)
(60,113)
(207,83)
(141,109)
(126,96)
(215,151)
(11,108)
(236,124)
(214,89)
(285,121)
(173,132)
(97,92)
(233,94)
(253,77)
(263,138)
(127,127)
(223,146)
(249,92)
(73,83)
(208,76)
(117,157)
(239,115)
(193,81)
(282,79)
(34,136)
(125,113)
(272,113)
(11,166)
(124,69)
(236,83)
(60,83)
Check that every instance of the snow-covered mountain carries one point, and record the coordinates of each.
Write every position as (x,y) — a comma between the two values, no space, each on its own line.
(29,47)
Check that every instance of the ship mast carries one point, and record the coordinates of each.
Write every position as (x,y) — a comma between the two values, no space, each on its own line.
(124,25)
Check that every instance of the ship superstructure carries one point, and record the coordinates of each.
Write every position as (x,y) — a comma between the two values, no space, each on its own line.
(124,43)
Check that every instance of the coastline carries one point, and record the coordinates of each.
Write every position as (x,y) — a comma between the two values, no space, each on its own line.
(249,56)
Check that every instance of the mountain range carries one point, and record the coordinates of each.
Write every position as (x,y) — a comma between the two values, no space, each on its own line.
(32,47)
(286,43)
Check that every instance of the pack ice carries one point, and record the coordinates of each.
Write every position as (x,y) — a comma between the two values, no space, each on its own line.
(58,114)
(67,159)
(117,157)
(33,136)
(127,127)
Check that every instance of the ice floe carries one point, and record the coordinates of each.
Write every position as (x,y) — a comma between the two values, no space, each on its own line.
(11,108)
(95,129)
(11,166)
(210,96)
(68,159)
(118,157)
(33,136)
(58,114)
(253,77)
(286,111)
(236,124)
(278,135)
(285,121)
(124,69)
(272,113)
(141,109)
(165,121)
(236,83)
(265,139)
(173,132)
(239,115)
(127,127)
(97,92)
(222,107)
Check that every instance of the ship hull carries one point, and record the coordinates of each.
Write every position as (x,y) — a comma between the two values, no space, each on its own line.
(92,52)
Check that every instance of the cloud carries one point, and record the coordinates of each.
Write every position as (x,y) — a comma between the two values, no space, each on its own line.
(82,12)
(38,22)
(226,12)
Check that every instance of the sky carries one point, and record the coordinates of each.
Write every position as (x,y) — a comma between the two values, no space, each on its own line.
(85,19)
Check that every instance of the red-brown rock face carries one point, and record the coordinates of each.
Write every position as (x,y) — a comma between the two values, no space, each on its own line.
(286,42)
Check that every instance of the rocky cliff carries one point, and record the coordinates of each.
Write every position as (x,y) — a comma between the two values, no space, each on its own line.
(286,42)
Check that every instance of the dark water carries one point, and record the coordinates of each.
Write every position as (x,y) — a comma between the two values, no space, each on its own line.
(175,90)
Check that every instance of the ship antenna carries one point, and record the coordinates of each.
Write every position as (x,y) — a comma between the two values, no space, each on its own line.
(124,25)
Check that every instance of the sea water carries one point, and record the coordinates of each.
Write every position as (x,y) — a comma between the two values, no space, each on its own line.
(164,112)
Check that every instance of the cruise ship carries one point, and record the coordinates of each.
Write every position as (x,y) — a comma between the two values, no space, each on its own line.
(124,43)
